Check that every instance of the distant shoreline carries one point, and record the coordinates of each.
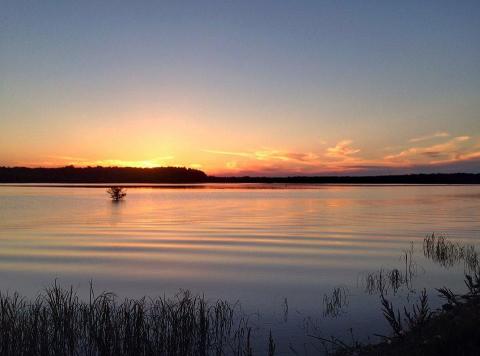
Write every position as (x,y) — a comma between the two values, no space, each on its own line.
(220,186)
(178,176)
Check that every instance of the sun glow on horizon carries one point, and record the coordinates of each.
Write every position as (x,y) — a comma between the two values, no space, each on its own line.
(430,152)
(242,88)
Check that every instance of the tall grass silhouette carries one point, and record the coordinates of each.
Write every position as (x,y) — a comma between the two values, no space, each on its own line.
(57,322)
(448,254)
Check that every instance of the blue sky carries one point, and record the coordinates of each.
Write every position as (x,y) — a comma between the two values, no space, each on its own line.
(231,87)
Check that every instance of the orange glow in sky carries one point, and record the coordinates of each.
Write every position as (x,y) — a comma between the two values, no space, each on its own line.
(247,87)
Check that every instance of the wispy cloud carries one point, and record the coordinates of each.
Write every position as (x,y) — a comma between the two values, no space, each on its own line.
(446,150)
(437,134)
(269,155)
(68,158)
(469,156)
(228,153)
(276,161)
(342,157)
(345,158)
(303,157)
(342,150)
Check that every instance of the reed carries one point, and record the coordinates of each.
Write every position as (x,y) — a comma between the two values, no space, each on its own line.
(385,280)
(448,254)
(58,322)
(335,303)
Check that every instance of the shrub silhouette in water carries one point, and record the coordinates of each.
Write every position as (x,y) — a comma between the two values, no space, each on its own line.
(116,193)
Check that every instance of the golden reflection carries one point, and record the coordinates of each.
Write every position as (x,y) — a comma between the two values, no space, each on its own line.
(168,233)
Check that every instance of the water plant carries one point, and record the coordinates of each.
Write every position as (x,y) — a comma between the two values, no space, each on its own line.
(271,345)
(415,318)
(448,254)
(334,304)
(384,280)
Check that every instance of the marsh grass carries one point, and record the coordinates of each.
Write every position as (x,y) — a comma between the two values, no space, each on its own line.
(453,330)
(473,286)
(448,254)
(411,269)
(271,345)
(385,280)
(436,248)
(420,313)
(416,329)
(57,322)
(335,303)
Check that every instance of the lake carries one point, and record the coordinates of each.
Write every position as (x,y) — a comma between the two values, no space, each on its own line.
(279,250)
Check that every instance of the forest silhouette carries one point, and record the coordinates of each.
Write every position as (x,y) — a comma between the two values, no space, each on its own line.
(71,174)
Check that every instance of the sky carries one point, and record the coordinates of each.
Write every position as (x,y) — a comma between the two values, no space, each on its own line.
(242,87)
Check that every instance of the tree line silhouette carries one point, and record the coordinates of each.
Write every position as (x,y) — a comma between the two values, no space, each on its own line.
(71,174)
(435,178)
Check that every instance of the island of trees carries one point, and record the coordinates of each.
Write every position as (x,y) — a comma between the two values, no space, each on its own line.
(71,174)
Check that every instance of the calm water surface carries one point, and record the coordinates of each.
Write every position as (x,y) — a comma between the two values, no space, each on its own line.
(258,246)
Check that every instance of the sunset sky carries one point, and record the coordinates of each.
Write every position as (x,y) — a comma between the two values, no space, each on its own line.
(242,87)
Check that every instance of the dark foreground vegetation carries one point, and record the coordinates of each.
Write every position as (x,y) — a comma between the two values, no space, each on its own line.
(72,174)
(58,323)
(452,330)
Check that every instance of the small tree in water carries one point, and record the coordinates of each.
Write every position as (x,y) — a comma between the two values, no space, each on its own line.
(116,193)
